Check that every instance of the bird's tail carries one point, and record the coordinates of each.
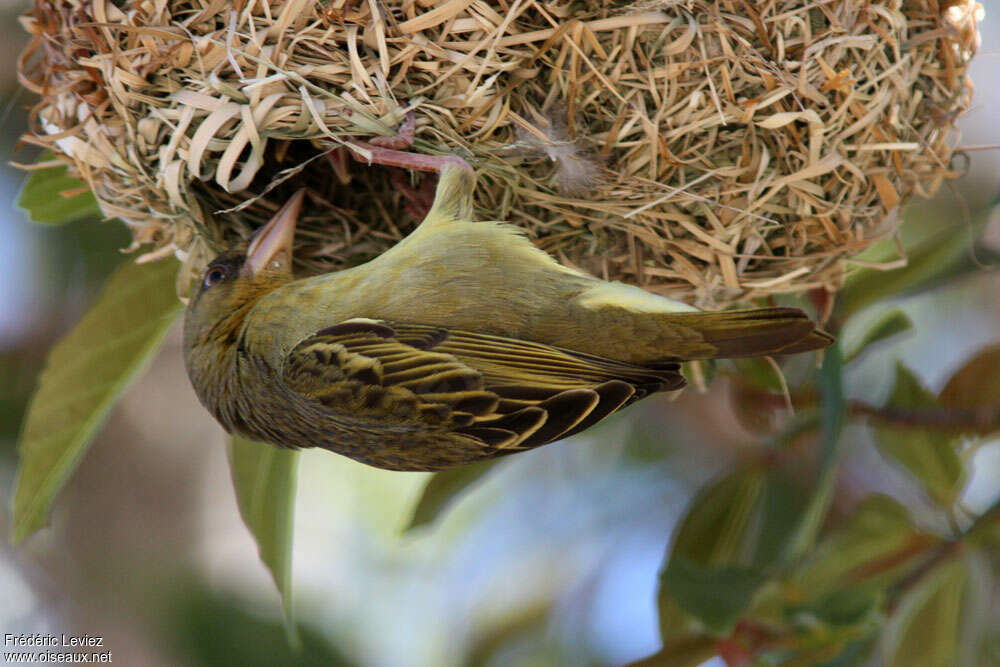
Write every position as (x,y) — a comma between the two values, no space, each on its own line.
(752,333)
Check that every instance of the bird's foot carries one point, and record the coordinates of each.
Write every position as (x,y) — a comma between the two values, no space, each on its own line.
(404,135)
(337,157)
(394,158)
(388,151)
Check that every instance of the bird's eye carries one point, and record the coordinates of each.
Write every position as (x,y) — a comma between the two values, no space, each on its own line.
(214,276)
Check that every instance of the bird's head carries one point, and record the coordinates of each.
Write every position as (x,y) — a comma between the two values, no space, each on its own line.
(229,288)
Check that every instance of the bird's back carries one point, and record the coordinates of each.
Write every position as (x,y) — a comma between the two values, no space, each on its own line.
(477,276)
(486,277)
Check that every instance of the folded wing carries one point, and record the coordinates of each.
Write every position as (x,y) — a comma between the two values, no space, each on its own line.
(507,394)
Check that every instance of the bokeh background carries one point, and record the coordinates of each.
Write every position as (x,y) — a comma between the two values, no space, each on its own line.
(552,559)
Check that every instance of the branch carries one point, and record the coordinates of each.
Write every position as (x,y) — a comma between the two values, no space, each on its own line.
(946,549)
(935,557)
(983,419)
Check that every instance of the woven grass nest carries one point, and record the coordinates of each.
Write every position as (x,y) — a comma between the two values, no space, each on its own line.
(713,150)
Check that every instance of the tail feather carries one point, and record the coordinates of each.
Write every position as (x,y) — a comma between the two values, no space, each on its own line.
(754,333)
(816,340)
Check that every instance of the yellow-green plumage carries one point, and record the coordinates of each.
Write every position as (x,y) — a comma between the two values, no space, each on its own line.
(462,342)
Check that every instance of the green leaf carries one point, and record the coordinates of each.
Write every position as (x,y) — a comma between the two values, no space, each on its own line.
(831,385)
(85,374)
(890,324)
(747,519)
(757,372)
(779,520)
(683,637)
(856,608)
(876,544)
(929,264)
(834,416)
(734,536)
(821,653)
(976,385)
(714,531)
(264,477)
(926,628)
(930,456)
(989,650)
(689,653)
(855,653)
(715,536)
(209,630)
(837,594)
(442,489)
(819,632)
(52,196)
(717,596)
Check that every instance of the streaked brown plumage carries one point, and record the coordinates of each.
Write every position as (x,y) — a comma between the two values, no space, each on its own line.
(463,342)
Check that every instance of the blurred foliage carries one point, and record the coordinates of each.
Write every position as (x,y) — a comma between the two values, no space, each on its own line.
(84,376)
(521,639)
(931,456)
(264,479)
(889,325)
(769,564)
(51,196)
(78,259)
(935,259)
(869,584)
(925,630)
(443,488)
(975,385)
(19,369)
(216,631)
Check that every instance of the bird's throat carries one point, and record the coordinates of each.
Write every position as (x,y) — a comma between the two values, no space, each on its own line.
(213,347)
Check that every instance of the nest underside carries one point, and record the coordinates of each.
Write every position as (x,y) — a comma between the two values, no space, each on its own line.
(711,150)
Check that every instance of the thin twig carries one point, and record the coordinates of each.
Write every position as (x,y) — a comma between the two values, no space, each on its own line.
(945,550)
(981,419)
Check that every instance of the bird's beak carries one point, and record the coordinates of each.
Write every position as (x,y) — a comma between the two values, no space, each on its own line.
(274,240)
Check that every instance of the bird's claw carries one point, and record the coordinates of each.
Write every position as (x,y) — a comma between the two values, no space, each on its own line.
(403,137)
(394,158)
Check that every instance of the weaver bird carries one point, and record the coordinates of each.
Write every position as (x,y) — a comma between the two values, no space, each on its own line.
(462,342)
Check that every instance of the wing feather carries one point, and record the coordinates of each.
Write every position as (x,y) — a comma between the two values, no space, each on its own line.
(505,394)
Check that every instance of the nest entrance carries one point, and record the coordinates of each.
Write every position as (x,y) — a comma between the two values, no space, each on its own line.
(342,225)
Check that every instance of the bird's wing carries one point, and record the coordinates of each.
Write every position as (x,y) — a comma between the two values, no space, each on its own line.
(508,394)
